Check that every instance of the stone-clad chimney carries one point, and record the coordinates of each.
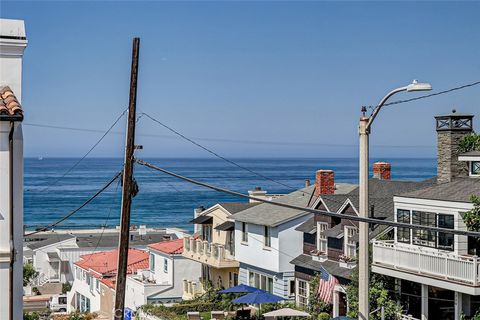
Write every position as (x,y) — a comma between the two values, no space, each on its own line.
(324,182)
(382,170)
(451,128)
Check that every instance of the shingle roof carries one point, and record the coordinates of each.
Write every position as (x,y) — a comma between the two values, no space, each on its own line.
(48,241)
(332,267)
(457,190)
(470,154)
(168,247)
(272,215)
(9,105)
(111,240)
(234,207)
(309,226)
(106,262)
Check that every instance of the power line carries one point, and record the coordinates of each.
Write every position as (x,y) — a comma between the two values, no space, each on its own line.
(77,209)
(431,94)
(216,154)
(321,212)
(85,155)
(222,140)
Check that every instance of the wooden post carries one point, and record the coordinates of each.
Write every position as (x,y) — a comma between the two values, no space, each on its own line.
(123,242)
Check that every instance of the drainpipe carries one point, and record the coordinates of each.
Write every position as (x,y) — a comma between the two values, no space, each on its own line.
(12,244)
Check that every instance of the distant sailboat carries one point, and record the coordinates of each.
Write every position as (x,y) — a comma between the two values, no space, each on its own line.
(40,158)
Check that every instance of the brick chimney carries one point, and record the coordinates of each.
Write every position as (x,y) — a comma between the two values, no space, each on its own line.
(451,128)
(382,170)
(324,182)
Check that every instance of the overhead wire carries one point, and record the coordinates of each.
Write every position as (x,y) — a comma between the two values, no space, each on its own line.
(321,212)
(96,194)
(85,155)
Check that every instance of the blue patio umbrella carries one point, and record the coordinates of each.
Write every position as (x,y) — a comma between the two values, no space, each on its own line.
(258,297)
(241,288)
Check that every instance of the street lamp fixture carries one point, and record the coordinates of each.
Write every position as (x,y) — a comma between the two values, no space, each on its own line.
(364,132)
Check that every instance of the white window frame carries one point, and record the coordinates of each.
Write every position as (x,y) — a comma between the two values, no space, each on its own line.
(322,244)
(165,265)
(302,300)
(152,262)
(350,247)
(471,169)
(262,278)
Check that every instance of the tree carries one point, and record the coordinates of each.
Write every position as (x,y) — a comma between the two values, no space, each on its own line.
(29,273)
(316,306)
(471,218)
(471,142)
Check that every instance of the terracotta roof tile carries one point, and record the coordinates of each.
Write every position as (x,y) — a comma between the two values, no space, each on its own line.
(169,247)
(9,105)
(106,262)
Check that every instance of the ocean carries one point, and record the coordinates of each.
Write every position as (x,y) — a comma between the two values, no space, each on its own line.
(164,201)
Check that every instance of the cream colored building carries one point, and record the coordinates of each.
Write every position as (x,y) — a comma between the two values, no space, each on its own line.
(214,246)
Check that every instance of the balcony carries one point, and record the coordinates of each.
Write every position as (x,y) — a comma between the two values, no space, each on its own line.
(192,289)
(462,270)
(212,254)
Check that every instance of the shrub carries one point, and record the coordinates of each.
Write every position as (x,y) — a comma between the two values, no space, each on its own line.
(66,287)
(31,316)
(29,273)
(323,316)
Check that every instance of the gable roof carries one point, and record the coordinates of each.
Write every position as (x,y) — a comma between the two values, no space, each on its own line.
(234,207)
(168,247)
(272,215)
(106,262)
(457,190)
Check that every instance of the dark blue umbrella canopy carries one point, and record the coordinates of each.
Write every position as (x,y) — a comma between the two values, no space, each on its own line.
(258,297)
(241,288)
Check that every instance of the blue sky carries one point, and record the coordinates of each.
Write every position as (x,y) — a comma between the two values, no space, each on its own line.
(294,72)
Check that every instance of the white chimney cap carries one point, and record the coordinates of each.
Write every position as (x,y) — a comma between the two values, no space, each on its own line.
(12,28)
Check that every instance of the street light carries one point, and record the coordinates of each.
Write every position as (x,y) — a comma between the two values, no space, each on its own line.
(364,131)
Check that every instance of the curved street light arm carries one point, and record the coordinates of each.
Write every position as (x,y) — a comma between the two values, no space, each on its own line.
(380,105)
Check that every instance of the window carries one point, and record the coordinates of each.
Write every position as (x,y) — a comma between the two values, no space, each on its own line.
(62,300)
(260,281)
(445,240)
(291,289)
(321,238)
(267,237)
(97,285)
(78,273)
(152,262)
(424,237)
(165,265)
(244,232)
(403,234)
(475,168)
(350,249)
(302,293)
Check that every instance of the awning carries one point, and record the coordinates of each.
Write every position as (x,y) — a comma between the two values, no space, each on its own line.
(226,226)
(202,220)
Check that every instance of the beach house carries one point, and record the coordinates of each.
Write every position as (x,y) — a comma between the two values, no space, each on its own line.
(163,281)
(438,274)
(213,246)
(330,244)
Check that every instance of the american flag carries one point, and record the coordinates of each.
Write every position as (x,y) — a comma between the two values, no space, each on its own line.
(326,285)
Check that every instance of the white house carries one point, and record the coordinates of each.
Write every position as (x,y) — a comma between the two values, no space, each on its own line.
(163,281)
(266,241)
(12,44)
(438,273)
(93,289)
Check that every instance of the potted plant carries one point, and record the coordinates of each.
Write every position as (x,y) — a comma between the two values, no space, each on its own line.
(318,255)
(347,262)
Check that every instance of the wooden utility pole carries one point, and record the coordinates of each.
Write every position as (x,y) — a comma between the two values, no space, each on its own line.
(123,242)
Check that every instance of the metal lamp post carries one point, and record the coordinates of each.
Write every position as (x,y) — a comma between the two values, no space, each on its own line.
(364,131)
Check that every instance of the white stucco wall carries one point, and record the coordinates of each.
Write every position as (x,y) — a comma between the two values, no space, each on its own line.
(11,54)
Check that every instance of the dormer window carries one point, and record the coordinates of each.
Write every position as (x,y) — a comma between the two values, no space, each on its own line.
(473,160)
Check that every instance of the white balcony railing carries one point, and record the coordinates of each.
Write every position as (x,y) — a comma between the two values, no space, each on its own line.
(418,260)
(207,252)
